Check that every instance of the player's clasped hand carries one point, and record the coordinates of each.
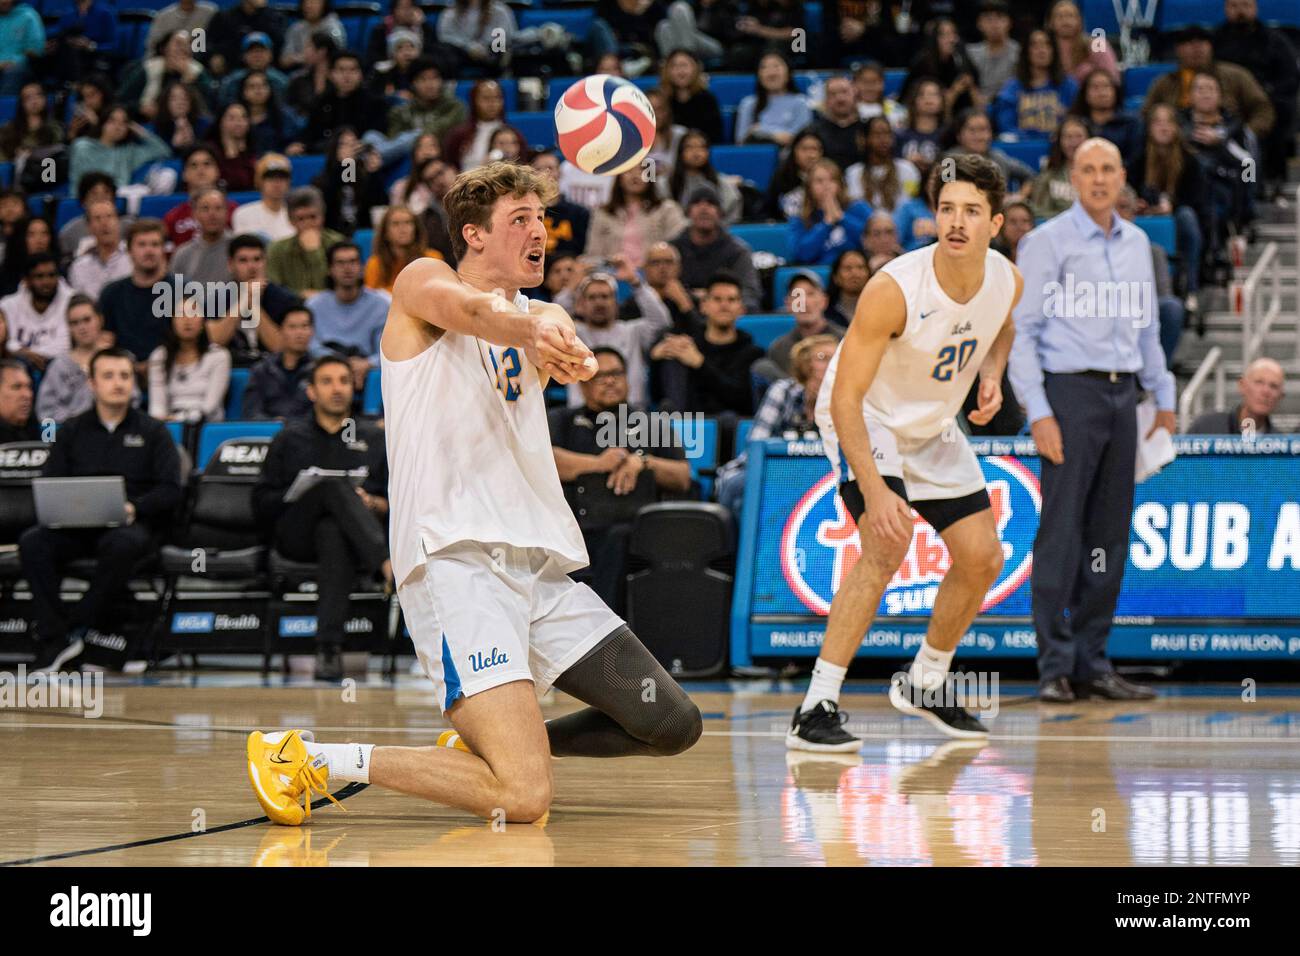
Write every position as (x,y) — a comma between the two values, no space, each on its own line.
(557,351)
(888,515)
(990,401)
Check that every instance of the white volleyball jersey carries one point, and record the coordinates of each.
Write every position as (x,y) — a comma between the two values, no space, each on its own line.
(469,454)
(927,371)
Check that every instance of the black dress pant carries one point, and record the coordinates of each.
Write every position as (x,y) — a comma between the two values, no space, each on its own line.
(1083,532)
(329,525)
(45,551)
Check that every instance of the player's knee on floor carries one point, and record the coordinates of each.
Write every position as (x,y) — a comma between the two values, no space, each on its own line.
(681,727)
(525,802)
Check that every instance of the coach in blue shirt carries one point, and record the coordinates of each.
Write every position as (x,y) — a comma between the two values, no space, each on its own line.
(1087,335)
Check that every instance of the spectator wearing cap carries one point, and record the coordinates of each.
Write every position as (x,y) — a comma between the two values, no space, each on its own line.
(1271,59)
(634,219)
(257,57)
(22,37)
(186,15)
(36,314)
(298,262)
(277,384)
(407,14)
(1241,95)
(268,216)
(829,222)
(1261,386)
(607,484)
(17,420)
(392,77)
(996,55)
(252,324)
(806,300)
(314,16)
(227,29)
(431,107)
(707,368)
(594,306)
(706,248)
(105,260)
(789,404)
(204,258)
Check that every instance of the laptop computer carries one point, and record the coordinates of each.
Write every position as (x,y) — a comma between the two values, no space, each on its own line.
(98,502)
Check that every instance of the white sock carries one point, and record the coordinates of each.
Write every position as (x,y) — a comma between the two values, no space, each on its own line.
(930,666)
(825,684)
(348,762)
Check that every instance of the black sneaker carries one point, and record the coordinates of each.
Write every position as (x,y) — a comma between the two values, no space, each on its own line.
(54,655)
(821,729)
(951,720)
(329,663)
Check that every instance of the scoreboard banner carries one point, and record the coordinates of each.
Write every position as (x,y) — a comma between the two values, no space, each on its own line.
(1214,552)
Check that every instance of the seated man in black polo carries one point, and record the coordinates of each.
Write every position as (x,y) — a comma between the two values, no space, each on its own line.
(111,438)
(609,473)
(335,523)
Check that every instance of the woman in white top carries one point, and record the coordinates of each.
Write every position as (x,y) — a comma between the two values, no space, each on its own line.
(633,220)
(188,375)
(883,181)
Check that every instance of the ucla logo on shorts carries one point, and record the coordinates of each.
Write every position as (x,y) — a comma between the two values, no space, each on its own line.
(819,545)
(478,661)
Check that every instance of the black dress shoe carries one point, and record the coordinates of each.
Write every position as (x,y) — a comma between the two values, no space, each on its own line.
(329,663)
(1113,687)
(1056,691)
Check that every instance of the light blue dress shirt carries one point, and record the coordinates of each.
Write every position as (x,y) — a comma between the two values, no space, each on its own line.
(1089,305)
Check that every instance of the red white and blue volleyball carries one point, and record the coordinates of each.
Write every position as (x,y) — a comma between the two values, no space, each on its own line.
(604,125)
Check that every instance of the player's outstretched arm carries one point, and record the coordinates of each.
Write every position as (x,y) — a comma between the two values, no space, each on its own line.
(881,314)
(430,290)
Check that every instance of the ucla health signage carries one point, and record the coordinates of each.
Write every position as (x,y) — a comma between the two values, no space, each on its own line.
(1212,568)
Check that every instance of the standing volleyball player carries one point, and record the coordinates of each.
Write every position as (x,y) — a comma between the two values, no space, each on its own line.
(482,539)
(925,325)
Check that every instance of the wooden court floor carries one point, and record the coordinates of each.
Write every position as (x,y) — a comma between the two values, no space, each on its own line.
(1199,777)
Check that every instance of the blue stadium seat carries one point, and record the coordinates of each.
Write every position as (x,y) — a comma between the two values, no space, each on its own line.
(1160,230)
(706,454)
(576,22)
(537,128)
(781,280)
(509,91)
(305,169)
(6,174)
(155,207)
(240,199)
(213,434)
(1284,13)
(728,124)
(754,163)
(235,392)
(765,328)
(1031,152)
(356,19)
(730,89)
(743,427)
(555,89)
(1100,13)
(133,29)
(1176,14)
(773,237)
(894,82)
(176,430)
(8,108)
(1138,79)
(69,209)
(372,398)
(365,239)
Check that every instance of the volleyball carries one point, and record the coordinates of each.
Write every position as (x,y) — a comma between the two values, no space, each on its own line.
(604,125)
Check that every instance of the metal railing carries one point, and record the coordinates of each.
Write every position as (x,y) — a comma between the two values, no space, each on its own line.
(1190,402)
(1255,325)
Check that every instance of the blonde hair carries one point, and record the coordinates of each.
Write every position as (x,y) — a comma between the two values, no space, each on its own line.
(471,198)
(802,354)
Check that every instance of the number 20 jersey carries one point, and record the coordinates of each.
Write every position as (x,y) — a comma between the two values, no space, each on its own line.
(927,371)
